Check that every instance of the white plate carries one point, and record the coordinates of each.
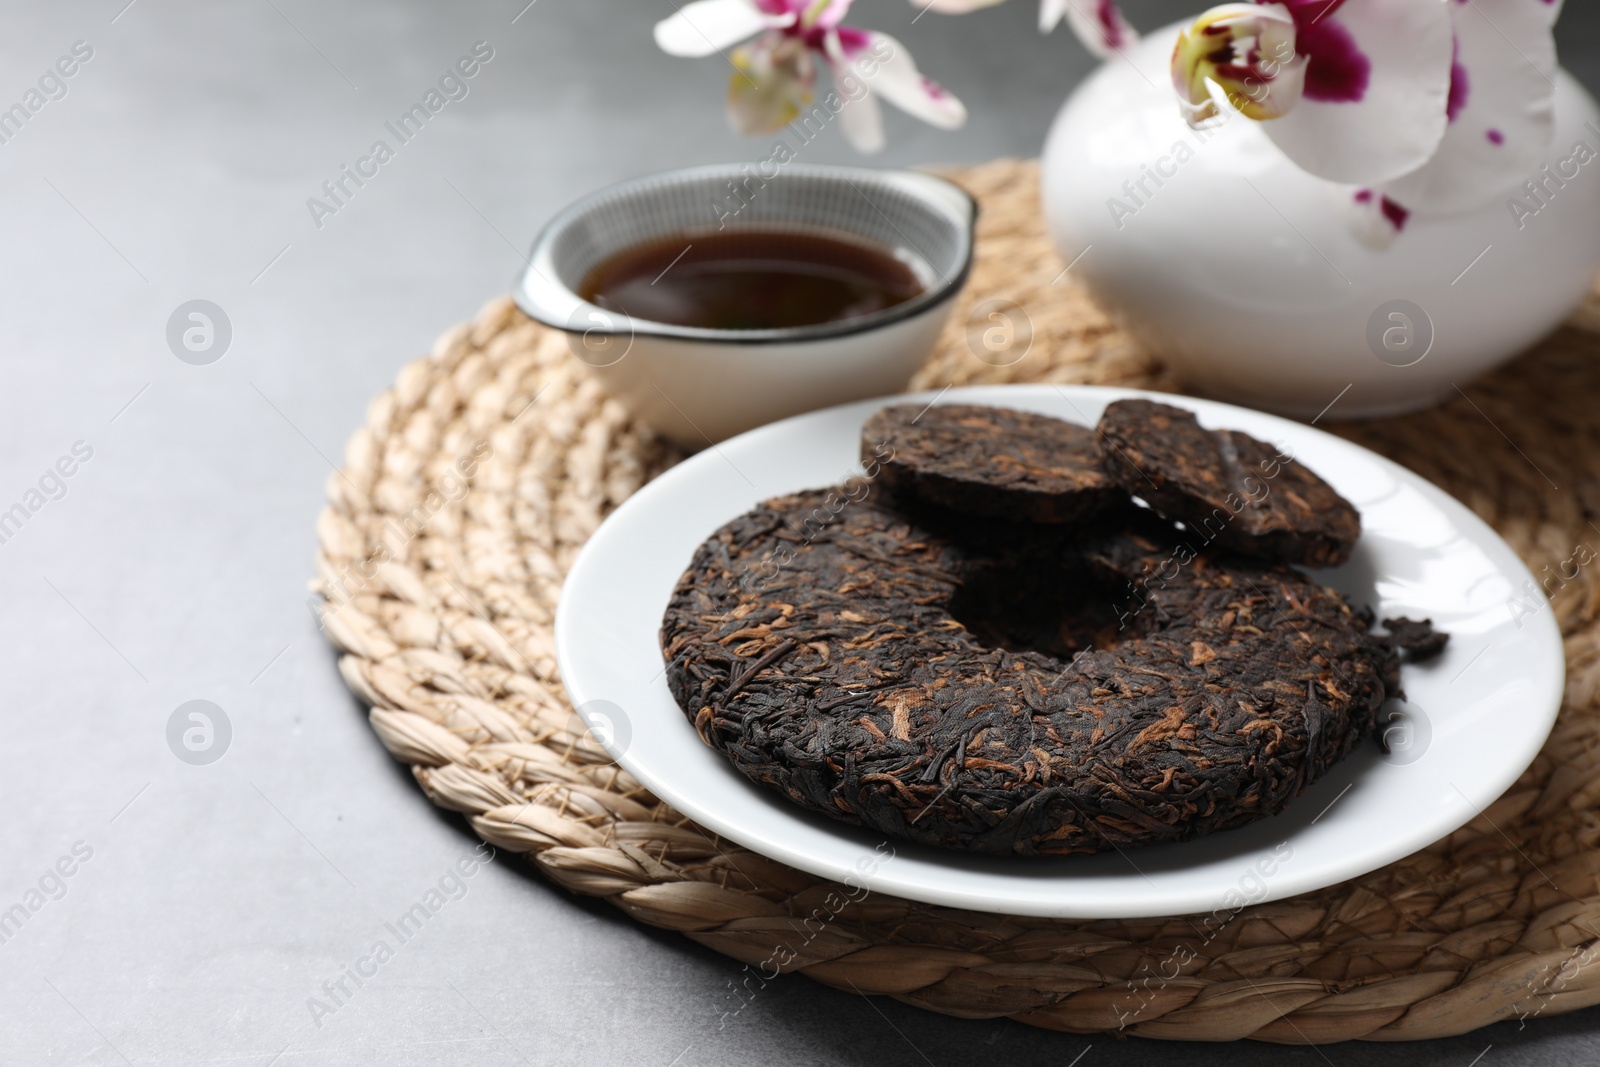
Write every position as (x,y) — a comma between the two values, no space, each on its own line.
(1477,717)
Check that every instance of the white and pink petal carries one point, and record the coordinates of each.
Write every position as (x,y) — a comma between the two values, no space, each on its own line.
(1377,83)
(706,27)
(1501,110)
(1376,219)
(860,117)
(885,68)
(1099,24)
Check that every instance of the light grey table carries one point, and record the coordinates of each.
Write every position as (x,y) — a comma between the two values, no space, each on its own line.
(208,904)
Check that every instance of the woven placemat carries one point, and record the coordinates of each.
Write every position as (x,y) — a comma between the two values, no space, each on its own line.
(479,475)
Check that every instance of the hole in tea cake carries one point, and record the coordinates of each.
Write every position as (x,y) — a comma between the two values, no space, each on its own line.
(1057,610)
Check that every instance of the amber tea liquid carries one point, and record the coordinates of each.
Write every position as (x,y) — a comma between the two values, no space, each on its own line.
(750,280)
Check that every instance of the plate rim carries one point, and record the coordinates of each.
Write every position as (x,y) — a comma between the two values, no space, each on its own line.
(883,880)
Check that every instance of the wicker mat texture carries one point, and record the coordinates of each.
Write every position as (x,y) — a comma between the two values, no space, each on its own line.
(447,634)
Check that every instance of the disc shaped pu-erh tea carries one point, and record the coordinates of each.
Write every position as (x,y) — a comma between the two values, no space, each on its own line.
(986,461)
(915,656)
(1226,485)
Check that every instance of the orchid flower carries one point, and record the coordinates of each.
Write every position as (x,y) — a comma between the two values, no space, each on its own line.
(1427,105)
(774,76)
(1355,91)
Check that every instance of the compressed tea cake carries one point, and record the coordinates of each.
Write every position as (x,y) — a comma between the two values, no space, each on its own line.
(1227,486)
(1017,695)
(987,461)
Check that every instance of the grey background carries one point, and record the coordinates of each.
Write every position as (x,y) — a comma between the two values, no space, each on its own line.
(219,897)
